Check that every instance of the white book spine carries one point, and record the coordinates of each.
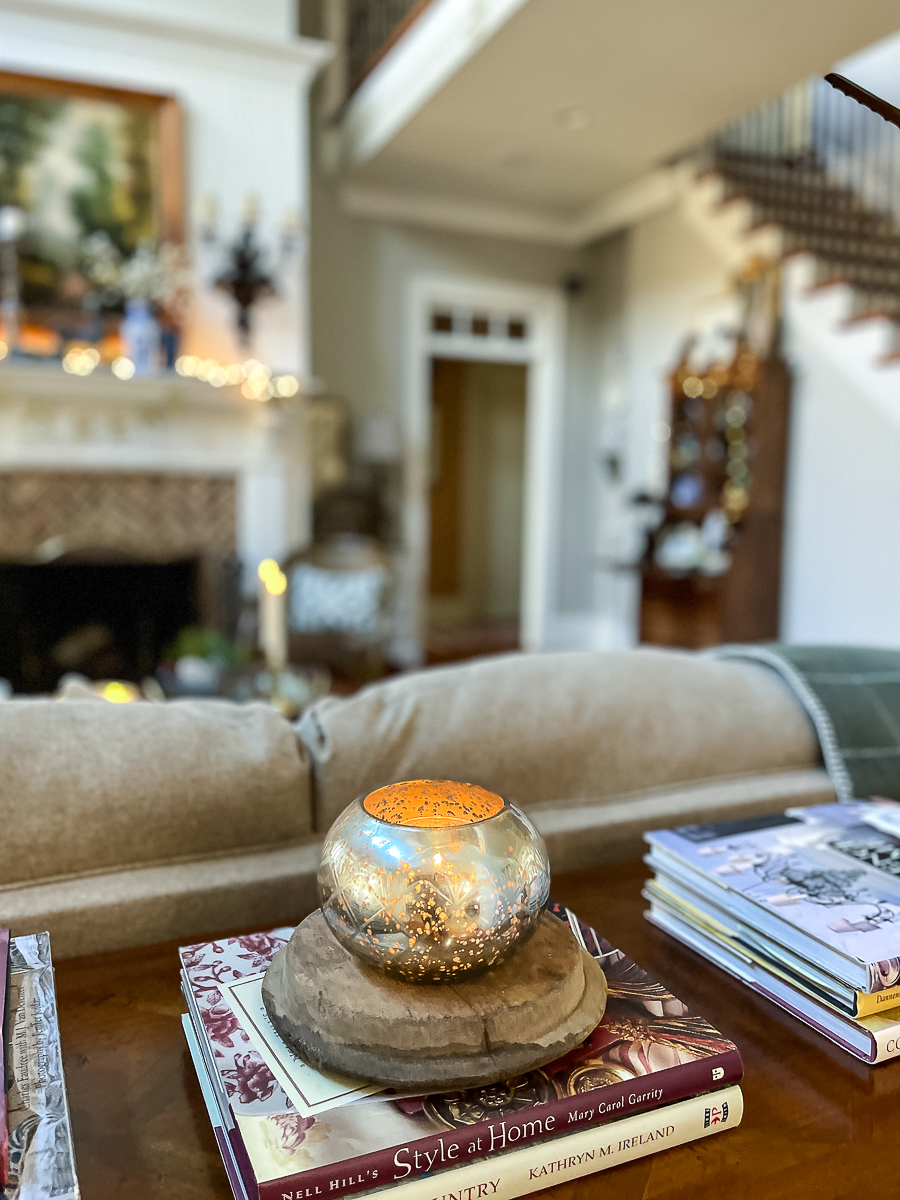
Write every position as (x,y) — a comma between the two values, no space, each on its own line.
(519,1172)
(887,1042)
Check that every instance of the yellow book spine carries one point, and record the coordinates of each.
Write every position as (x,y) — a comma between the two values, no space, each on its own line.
(868,1003)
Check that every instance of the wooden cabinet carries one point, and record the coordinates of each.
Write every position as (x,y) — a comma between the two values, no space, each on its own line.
(727,456)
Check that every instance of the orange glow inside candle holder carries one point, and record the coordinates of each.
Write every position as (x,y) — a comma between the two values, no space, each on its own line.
(433,804)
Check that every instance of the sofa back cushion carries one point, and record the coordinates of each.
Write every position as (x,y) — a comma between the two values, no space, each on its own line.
(86,785)
(558,728)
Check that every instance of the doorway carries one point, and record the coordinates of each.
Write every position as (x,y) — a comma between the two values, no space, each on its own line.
(478,419)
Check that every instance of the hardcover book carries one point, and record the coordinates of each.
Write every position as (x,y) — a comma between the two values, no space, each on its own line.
(647,1053)
(873,1039)
(750,943)
(517,1172)
(823,883)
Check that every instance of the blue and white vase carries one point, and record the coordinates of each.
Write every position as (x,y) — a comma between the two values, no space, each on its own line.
(140,334)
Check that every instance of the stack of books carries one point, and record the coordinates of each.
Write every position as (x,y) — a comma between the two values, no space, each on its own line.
(651,1076)
(803,907)
(36,1153)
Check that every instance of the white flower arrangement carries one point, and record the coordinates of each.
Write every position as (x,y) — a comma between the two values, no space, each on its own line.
(154,274)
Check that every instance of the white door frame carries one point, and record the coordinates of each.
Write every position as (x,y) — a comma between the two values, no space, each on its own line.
(543,352)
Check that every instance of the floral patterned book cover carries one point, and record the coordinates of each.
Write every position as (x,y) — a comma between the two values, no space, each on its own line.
(648,1051)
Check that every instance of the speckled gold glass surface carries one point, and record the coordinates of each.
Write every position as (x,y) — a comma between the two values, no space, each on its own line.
(433,880)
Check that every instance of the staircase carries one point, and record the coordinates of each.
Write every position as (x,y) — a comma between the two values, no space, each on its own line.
(826,172)
(812,182)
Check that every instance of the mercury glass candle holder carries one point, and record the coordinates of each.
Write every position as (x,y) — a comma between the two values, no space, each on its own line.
(432,881)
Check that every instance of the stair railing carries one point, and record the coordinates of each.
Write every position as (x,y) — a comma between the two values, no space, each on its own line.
(372,28)
(814,127)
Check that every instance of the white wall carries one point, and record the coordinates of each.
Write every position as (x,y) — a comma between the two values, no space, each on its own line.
(674,280)
(244,102)
(842,548)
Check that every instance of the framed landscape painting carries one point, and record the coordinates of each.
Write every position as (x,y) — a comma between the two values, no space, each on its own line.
(88,175)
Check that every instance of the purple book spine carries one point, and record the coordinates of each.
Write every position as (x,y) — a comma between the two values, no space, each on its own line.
(397,1164)
(236,1178)
(242,1158)
(4,1137)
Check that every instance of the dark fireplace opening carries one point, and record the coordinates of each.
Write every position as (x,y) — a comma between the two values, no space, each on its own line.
(102,619)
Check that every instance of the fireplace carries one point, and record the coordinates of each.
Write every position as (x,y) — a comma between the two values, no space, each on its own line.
(99,570)
(129,510)
(102,619)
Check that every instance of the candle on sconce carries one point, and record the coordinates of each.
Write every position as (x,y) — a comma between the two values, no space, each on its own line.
(250,209)
(208,216)
(273,614)
(291,231)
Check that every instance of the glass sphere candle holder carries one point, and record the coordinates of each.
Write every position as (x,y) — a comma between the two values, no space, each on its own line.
(433,881)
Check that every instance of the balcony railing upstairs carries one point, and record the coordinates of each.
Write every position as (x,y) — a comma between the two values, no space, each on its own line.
(373,27)
(827,171)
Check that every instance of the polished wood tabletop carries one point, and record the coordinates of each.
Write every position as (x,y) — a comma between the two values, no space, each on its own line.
(817,1123)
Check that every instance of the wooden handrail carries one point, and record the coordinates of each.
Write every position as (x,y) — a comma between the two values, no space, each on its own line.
(868,99)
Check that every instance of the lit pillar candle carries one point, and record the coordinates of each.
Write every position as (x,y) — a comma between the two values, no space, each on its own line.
(273,614)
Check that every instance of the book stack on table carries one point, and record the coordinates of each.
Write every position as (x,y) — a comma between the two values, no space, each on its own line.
(37,1158)
(651,1076)
(803,907)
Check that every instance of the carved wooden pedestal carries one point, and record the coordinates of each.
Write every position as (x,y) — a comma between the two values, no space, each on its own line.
(353,1020)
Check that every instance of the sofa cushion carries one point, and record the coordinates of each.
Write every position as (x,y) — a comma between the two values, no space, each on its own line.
(87,786)
(582,727)
(182,899)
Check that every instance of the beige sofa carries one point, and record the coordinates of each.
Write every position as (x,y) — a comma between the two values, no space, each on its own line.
(127,824)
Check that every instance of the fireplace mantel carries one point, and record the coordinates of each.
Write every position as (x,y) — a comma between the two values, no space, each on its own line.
(53,421)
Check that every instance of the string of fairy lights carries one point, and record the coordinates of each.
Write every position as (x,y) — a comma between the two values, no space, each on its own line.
(256,380)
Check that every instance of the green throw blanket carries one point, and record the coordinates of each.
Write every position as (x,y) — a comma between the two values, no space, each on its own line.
(852,695)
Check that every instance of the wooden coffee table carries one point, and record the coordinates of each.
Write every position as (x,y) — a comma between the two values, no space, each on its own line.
(817,1123)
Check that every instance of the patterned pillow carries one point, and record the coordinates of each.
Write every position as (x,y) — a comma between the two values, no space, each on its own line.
(347,601)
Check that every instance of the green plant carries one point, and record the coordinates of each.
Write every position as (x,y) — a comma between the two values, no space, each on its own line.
(207,643)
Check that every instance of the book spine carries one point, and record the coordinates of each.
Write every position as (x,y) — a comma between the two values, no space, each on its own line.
(869,1003)
(232,1169)
(4,1136)
(518,1172)
(645,1093)
(887,1043)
